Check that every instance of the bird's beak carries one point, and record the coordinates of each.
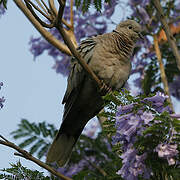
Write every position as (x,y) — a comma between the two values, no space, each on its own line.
(140,35)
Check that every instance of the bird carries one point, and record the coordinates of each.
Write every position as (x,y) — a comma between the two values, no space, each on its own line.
(108,56)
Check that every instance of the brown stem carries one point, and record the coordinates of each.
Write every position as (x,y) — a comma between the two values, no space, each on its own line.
(70,45)
(36,17)
(47,35)
(170,38)
(28,156)
(46,8)
(162,70)
(38,2)
(72,16)
(97,167)
(38,9)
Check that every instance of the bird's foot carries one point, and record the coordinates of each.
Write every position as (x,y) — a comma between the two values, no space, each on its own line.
(104,89)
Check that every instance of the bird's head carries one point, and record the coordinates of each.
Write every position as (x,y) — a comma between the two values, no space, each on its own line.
(131,28)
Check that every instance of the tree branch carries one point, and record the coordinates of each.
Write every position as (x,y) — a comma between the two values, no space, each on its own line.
(96,167)
(47,10)
(72,16)
(38,9)
(162,70)
(26,155)
(70,45)
(36,17)
(171,39)
(47,35)
(44,9)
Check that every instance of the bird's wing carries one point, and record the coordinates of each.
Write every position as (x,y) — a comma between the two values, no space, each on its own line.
(77,74)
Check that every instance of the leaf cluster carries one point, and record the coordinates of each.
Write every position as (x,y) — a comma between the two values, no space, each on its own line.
(84,5)
(36,136)
(19,172)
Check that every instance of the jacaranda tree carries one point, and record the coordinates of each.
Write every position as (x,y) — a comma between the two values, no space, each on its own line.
(140,132)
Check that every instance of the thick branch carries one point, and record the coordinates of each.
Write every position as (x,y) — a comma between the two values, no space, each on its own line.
(162,70)
(47,35)
(171,39)
(28,156)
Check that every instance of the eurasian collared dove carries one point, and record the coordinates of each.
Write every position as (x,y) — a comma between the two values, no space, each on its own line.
(108,55)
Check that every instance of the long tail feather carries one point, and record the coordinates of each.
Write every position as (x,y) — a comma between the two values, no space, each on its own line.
(61,149)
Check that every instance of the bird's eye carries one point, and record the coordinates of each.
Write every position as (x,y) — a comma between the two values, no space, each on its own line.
(130,27)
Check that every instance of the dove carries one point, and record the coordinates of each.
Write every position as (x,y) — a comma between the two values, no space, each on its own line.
(108,55)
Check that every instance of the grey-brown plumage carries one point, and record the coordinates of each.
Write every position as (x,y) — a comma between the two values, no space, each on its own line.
(108,55)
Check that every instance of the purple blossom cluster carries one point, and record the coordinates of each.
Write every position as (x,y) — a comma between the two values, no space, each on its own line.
(2,100)
(89,24)
(73,169)
(167,151)
(2,10)
(130,124)
(92,128)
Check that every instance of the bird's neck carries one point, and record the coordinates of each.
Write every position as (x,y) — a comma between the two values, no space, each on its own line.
(125,45)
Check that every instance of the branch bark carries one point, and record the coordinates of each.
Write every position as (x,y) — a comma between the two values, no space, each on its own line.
(26,155)
(72,48)
(47,35)
(162,70)
(171,39)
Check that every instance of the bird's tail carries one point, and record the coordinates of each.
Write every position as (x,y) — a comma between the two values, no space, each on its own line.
(61,149)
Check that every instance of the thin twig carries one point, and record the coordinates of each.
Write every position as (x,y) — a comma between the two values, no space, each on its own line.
(171,39)
(47,9)
(38,2)
(162,70)
(96,167)
(38,9)
(53,8)
(60,12)
(72,16)
(47,35)
(28,156)
(4,138)
(36,16)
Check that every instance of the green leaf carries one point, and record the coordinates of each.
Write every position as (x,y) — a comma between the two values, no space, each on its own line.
(36,146)
(43,151)
(27,142)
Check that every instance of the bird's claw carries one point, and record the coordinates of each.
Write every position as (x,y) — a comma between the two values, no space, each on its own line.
(104,89)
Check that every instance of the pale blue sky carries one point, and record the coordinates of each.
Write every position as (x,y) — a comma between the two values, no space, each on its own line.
(32,89)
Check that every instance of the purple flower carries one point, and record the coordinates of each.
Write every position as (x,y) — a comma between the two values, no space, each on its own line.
(147,117)
(175,116)
(2,100)
(124,109)
(133,165)
(167,151)
(158,102)
(2,10)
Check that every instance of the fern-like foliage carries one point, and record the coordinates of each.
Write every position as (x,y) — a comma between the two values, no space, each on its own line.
(35,135)
(19,172)
(84,5)
(96,152)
